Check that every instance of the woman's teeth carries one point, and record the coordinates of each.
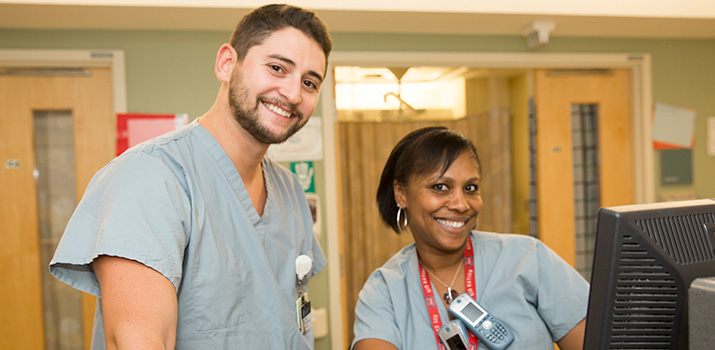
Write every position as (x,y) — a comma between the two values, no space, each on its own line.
(452,224)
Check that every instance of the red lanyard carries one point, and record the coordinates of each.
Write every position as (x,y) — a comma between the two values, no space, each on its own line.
(431,302)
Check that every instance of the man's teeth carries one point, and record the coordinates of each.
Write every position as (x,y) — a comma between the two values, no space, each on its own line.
(275,108)
(452,224)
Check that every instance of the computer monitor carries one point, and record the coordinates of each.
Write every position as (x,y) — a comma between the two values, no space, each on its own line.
(645,258)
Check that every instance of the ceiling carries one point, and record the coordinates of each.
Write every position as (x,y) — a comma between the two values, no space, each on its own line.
(28,15)
(416,74)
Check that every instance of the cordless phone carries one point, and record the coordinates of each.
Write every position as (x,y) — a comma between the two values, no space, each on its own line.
(492,332)
(454,336)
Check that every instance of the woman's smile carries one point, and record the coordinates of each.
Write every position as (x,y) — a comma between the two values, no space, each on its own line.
(442,207)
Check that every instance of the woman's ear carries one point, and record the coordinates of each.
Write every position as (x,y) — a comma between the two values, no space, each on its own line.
(225,61)
(398,191)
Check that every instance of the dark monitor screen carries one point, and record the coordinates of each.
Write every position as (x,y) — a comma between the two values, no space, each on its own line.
(645,258)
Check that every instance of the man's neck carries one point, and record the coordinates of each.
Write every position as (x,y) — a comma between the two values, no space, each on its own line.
(242,148)
(245,152)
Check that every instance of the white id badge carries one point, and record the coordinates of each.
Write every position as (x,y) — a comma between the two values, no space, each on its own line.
(304,313)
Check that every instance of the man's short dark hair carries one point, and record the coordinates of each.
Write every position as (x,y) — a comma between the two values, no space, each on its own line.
(258,25)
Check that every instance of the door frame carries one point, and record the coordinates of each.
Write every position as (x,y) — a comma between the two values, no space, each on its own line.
(641,84)
(114,59)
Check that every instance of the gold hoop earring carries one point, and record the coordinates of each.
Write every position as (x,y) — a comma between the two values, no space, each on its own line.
(401,224)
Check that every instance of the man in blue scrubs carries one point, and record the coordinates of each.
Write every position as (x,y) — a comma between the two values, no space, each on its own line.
(195,240)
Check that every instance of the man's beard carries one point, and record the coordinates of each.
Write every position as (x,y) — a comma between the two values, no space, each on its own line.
(249,120)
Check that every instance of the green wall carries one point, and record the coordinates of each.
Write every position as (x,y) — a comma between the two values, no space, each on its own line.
(172,72)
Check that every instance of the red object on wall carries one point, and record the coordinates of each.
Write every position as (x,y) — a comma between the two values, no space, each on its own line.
(134,128)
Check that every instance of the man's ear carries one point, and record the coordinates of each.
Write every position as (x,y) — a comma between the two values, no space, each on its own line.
(225,61)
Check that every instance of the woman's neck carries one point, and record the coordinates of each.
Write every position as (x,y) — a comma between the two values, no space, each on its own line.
(439,261)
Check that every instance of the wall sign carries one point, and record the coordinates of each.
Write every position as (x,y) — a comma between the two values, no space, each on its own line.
(306,174)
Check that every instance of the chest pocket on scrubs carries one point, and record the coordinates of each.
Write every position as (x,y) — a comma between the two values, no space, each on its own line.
(217,286)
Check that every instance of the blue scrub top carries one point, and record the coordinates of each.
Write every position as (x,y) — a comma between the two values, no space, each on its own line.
(178,205)
(522,282)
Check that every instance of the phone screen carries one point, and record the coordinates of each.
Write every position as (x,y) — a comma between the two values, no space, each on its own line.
(456,343)
(472,312)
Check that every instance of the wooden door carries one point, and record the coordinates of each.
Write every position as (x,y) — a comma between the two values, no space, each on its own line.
(554,94)
(88,98)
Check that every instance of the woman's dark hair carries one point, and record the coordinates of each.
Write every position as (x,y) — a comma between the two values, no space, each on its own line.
(420,152)
(258,25)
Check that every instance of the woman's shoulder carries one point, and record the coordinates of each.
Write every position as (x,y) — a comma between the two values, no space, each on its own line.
(503,245)
(503,238)
(398,265)
(514,247)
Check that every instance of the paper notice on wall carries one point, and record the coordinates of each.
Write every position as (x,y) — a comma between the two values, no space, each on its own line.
(673,127)
(306,144)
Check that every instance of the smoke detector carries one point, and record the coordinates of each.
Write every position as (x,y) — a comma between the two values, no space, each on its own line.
(537,33)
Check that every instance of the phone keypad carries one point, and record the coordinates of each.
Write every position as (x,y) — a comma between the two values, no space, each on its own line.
(493,331)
